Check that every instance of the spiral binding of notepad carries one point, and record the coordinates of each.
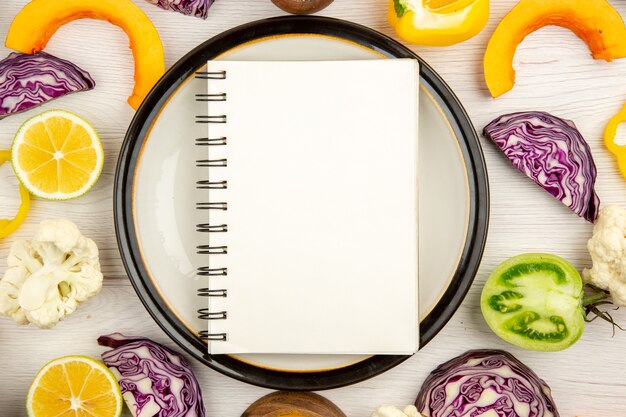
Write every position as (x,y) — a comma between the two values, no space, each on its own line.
(209,184)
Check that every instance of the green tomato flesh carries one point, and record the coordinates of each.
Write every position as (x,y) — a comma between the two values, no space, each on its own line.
(534,301)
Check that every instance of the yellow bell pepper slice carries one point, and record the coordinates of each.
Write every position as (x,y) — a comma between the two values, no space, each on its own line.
(8,226)
(609,139)
(438,22)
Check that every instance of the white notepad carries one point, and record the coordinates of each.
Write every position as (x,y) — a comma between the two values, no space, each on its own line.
(321,198)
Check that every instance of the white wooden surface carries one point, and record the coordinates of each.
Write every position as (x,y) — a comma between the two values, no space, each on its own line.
(555,73)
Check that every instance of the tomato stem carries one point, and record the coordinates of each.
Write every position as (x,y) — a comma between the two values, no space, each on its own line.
(590,303)
(592,298)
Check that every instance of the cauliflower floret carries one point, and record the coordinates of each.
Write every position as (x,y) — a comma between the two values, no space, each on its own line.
(9,292)
(49,275)
(607,247)
(391,411)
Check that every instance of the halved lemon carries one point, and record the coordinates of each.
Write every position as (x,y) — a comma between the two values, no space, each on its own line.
(74,386)
(57,155)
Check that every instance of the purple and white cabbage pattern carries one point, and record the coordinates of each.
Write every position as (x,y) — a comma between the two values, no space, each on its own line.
(155,381)
(28,80)
(485,382)
(196,8)
(553,153)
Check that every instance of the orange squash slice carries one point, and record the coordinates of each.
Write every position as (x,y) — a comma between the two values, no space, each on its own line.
(35,24)
(594,21)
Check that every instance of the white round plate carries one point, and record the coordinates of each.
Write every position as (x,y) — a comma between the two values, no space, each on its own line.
(156,221)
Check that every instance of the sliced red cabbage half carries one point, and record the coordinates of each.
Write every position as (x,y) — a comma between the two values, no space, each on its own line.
(485,383)
(155,381)
(196,8)
(28,80)
(553,153)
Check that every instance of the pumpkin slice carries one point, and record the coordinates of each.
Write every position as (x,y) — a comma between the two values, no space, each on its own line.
(595,21)
(35,24)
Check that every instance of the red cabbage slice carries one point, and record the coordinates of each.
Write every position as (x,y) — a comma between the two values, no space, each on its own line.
(553,153)
(196,8)
(28,80)
(485,382)
(155,381)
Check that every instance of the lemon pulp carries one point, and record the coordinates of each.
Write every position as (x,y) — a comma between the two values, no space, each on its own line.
(74,386)
(57,155)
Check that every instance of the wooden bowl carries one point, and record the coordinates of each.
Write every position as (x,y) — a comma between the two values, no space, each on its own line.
(302,6)
(293,404)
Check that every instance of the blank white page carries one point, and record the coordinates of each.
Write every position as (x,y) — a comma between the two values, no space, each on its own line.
(321,207)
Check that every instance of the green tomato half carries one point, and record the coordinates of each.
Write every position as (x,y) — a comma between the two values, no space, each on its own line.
(534,301)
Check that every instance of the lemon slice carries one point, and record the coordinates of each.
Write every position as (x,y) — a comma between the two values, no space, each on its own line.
(74,386)
(57,155)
